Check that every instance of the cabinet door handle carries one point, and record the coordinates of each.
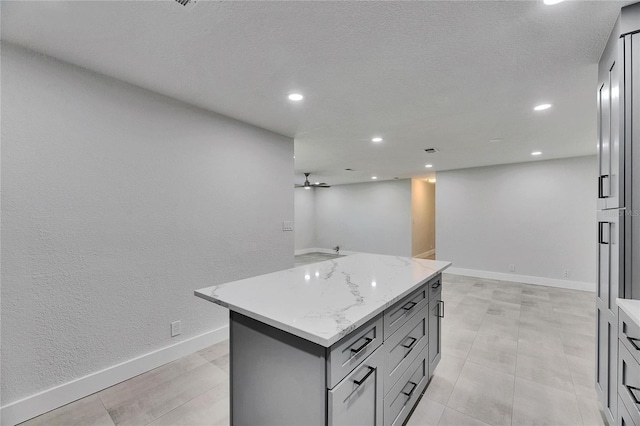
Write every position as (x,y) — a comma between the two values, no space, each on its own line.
(411,306)
(436,285)
(361,381)
(601,233)
(361,347)
(441,312)
(413,342)
(633,395)
(633,340)
(414,386)
(601,192)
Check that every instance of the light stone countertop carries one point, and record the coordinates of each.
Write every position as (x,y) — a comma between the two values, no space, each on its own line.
(322,302)
(631,307)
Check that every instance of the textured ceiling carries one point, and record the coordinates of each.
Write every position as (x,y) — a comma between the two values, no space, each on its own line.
(451,75)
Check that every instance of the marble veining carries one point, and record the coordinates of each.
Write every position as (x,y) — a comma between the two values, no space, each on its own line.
(322,302)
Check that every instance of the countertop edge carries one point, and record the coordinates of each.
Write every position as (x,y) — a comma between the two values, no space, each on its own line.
(312,337)
(631,307)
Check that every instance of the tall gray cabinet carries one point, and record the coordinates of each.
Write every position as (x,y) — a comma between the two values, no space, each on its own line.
(618,230)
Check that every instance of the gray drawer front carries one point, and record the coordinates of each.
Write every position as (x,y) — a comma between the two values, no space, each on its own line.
(435,286)
(403,395)
(349,352)
(624,418)
(357,400)
(629,334)
(401,312)
(402,348)
(629,383)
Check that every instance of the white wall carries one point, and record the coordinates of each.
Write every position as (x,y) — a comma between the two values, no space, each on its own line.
(116,204)
(305,218)
(365,217)
(539,216)
(423,217)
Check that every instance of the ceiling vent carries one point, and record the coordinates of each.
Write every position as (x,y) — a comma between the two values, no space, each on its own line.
(431,150)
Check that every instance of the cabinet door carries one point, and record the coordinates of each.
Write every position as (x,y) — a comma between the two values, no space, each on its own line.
(610,138)
(609,279)
(357,399)
(632,130)
(436,313)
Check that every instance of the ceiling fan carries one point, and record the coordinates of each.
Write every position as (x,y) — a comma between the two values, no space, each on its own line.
(308,184)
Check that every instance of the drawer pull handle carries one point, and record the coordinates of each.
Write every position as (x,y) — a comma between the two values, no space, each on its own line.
(361,381)
(601,189)
(364,345)
(633,340)
(633,395)
(415,385)
(602,233)
(410,345)
(436,285)
(409,306)
(441,311)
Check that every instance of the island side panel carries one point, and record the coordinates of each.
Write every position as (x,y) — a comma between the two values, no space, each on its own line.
(276,378)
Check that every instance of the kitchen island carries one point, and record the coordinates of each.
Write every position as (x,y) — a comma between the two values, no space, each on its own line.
(351,341)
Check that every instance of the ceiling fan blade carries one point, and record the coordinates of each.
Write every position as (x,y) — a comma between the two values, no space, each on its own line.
(321,185)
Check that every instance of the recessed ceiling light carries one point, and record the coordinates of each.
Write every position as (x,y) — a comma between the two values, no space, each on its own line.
(496,140)
(552,2)
(296,97)
(542,107)
(432,181)
(376,139)
(428,166)
(536,153)
(374,177)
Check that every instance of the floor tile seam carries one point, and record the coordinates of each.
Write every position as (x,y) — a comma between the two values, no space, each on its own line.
(465,414)
(515,369)
(159,384)
(178,406)
(103,406)
(129,400)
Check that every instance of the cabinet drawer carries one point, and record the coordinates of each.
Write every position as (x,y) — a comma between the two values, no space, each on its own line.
(435,286)
(629,334)
(624,418)
(396,316)
(629,382)
(402,348)
(349,352)
(357,400)
(403,395)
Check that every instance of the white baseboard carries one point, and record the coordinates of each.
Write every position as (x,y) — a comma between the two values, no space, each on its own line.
(47,400)
(527,279)
(324,250)
(425,254)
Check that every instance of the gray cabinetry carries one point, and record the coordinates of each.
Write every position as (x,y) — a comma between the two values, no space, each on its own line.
(357,400)
(607,290)
(436,313)
(618,227)
(373,376)
(628,371)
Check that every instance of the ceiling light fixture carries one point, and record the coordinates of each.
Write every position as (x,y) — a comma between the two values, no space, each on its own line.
(432,181)
(428,166)
(374,177)
(296,97)
(552,2)
(376,139)
(542,107)
(536,153)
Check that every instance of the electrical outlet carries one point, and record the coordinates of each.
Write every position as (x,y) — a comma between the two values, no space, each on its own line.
(512,267)
(176,328)
(567,273)
(287,225)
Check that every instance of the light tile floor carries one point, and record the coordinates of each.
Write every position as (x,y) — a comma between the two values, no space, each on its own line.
(513,354)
